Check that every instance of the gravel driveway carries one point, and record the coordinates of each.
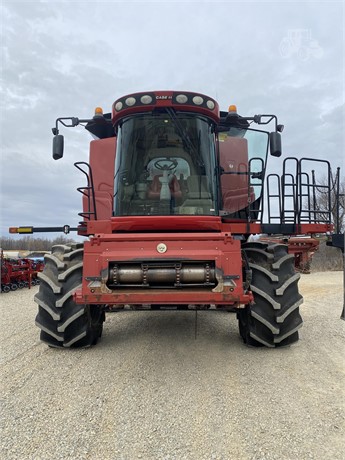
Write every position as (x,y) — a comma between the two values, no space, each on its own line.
(149,390)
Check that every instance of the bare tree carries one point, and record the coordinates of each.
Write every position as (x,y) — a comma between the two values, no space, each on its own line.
(31,243)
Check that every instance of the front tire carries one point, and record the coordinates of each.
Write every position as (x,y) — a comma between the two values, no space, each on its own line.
(64,323)
(274,319)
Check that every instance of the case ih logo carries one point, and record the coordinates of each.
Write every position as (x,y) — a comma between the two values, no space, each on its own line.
(163,97)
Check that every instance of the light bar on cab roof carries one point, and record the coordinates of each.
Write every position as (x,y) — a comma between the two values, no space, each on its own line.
(145,99)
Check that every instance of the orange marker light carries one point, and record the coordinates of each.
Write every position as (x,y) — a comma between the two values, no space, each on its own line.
(98,111)
(20,230)
(232,108)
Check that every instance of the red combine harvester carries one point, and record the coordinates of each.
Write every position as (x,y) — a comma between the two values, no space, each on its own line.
(174,190)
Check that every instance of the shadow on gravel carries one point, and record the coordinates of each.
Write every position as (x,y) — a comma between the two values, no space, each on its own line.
(171,328)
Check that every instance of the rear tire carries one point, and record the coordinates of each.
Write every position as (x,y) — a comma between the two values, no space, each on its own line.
(274,319)
(64,323)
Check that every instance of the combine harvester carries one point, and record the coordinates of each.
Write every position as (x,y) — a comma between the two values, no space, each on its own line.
(174,190)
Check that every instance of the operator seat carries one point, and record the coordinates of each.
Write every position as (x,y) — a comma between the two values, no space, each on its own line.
(154,189)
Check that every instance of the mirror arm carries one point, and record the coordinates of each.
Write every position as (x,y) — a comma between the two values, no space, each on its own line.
(74,121)
(258,120)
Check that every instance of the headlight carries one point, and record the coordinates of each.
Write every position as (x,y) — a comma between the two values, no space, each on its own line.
(130,101)
(198,100)
(181,98)
(146,99)
(210,105)
(118,106)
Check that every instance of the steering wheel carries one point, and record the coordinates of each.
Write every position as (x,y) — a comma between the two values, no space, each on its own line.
(165,167)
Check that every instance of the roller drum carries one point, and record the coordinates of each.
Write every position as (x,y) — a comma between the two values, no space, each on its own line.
(164,275)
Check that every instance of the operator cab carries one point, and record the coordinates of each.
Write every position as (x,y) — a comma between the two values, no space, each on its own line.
(177,154)
(172,163)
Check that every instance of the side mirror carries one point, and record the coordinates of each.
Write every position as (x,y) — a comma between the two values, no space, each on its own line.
(58,146)
(275,144)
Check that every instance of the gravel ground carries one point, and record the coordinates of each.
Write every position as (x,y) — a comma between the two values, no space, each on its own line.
(149,390)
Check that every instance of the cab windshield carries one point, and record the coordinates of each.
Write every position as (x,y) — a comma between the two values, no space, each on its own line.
(165,165)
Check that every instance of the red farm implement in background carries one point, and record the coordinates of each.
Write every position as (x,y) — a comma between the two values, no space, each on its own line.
(19,273)
(303,249)
(175,188)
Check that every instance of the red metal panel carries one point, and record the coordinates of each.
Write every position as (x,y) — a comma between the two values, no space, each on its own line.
(102,162)
(185,223)
(233,157)
(220,248)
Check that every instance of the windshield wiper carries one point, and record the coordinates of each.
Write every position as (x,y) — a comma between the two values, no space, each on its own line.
(181,131)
